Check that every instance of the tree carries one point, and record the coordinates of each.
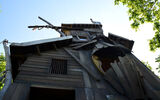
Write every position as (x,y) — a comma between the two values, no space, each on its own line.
(147,65)
(2,67)
(145,11)
(158,60)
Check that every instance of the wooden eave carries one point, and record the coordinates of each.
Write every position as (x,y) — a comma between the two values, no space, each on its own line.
(20,51)
(82,25)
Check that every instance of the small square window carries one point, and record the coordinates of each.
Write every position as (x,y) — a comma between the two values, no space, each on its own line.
(58,66)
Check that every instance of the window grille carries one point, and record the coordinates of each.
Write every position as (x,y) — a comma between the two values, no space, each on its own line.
(58,66)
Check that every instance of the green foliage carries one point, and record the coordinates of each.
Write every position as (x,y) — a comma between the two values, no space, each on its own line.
(158,60)
(2,67)
(2,62)
(142,11)
(147,65)
(145,11)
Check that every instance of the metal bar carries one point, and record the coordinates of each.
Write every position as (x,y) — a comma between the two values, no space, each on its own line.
(45,21)
(62,34)
(58,66)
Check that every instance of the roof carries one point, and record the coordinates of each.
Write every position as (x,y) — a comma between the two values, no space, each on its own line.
(82,25)
(37,42)
(20,51)
(121,40)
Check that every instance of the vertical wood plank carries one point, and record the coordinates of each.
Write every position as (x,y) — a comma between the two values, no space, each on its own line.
(8,78)
(17,91)
(122,78)
(80,94)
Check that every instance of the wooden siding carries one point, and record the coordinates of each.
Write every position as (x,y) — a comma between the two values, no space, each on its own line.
(35,70)
(17,92)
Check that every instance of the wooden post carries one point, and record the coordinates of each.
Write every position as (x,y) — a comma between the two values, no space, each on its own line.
(38,50)
(88,91)
(8,78)
(85,67)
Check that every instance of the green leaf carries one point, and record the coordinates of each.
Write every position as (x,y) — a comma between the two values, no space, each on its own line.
(144,11)
(147,65)
(2,67)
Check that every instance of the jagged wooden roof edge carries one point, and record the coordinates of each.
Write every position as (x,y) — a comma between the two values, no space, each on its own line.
(41,41)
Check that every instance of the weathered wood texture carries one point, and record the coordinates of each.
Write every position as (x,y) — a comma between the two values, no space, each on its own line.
(35,70)
(80,94)
(17,92)
(8,76)
(150,82)
(129,77)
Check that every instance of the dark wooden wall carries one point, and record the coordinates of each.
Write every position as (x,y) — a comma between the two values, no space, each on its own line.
(35,73)
(35,70)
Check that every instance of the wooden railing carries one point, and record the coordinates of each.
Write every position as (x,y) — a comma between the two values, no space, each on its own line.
(2,76)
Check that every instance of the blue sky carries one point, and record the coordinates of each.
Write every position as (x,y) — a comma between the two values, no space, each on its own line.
(17,15)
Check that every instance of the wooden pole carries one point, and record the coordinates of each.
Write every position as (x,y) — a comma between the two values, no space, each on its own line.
(8,78)
(85,67)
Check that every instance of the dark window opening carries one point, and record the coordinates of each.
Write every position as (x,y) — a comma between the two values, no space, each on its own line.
(58,66)
(103,57)
(82,37)
(51,94)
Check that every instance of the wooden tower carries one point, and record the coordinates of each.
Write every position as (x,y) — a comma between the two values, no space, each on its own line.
(83,64)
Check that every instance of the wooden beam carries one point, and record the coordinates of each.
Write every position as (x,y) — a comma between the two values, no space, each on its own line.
(85,44)
(122,78)
(85,67)
(8,78)
(38,50)
(54,45)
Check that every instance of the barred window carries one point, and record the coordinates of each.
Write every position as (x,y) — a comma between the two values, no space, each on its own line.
(58,66)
